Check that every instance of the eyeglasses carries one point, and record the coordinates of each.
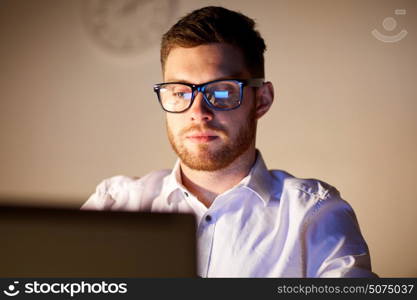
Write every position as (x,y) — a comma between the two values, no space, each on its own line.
(224,94)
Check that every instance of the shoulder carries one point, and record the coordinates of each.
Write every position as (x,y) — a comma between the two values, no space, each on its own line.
(317,206)
(307,187)
(121,183)
(307,196)
(125,192)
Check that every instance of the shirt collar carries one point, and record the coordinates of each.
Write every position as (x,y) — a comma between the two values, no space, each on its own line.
(258,181)
(173,183)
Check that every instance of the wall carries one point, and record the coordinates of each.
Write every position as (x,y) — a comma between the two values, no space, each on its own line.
(73,112)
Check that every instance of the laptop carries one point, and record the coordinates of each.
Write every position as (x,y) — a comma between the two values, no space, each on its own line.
(46,242)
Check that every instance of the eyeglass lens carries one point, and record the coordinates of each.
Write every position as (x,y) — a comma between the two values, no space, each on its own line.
(176,97)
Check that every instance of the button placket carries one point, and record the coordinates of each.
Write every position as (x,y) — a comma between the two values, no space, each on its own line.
(206,232)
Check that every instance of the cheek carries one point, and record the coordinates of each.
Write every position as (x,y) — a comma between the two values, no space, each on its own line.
(173,124)
(241,120)
(230,121)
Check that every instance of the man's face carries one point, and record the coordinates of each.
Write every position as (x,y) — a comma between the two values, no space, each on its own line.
(206,139)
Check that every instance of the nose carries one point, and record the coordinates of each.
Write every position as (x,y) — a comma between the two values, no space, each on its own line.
(199,110)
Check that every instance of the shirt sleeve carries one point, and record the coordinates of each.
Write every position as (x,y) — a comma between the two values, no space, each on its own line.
(333,242)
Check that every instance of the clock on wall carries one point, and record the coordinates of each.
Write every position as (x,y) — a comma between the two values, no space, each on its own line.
(127,26)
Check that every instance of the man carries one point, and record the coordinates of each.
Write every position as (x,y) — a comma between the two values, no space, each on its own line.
(251,222)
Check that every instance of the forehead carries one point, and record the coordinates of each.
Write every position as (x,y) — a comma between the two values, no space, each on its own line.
(205,63)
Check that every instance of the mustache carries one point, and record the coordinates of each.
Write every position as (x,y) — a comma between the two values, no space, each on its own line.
(204,127)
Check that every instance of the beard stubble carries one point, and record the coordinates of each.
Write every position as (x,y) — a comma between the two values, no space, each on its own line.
(206,159)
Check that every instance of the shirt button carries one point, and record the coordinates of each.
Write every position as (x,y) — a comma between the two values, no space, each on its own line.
(208,218)
(186,194)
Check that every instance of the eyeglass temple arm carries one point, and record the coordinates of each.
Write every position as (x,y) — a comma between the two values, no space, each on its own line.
(255,82)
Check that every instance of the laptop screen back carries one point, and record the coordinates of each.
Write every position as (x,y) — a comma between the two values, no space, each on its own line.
(39,242)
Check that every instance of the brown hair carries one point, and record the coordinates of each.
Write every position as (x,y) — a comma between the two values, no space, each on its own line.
(213,24)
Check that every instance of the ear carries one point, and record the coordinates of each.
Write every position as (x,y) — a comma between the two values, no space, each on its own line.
(264,99)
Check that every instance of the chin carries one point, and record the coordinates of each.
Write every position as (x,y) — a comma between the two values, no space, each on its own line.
(205,159)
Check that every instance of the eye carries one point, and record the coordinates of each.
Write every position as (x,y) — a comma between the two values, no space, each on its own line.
(209,96)
(184,95)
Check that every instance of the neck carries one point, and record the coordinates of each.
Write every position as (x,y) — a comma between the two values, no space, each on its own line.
(206,185)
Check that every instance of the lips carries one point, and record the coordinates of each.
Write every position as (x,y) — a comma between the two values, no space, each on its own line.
(202,137)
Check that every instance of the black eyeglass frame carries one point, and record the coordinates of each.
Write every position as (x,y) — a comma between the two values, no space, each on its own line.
(252,82)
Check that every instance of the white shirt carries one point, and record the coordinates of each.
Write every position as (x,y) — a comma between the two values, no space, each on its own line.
(271,224)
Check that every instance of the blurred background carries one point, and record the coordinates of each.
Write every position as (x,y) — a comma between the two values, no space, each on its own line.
(77,106)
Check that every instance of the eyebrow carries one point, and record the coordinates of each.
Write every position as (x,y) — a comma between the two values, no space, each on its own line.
(232,76)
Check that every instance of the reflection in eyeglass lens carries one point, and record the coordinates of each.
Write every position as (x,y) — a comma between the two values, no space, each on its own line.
(221,94)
